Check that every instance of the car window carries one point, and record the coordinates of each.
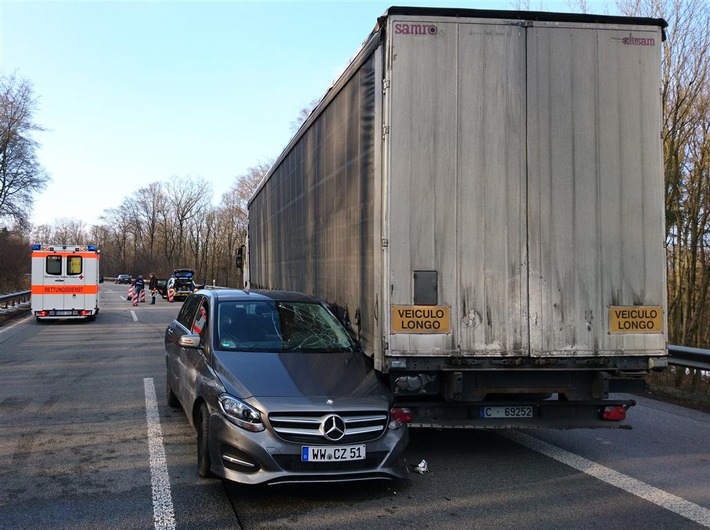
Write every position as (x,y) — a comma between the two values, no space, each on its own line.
(199,324)
(279,326)
(188,310)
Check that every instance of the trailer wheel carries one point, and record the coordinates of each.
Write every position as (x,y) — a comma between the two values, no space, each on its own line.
(204,461)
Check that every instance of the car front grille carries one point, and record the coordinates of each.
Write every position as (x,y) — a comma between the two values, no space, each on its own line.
(301,427)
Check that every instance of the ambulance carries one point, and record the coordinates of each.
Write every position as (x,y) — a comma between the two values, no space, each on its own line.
(65,282)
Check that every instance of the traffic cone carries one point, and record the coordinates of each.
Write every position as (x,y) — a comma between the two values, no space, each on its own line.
(142,295)
(130,294)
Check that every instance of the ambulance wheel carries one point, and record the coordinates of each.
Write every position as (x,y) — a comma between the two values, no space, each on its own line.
(171,397)
(204,462)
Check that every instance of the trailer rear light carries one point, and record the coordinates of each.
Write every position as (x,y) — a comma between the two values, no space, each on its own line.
(399,417)
(614,413)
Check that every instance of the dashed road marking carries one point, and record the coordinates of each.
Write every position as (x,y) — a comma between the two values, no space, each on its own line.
(666,500)
(163,514)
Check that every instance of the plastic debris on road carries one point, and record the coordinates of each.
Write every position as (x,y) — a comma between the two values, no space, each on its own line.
(421,468)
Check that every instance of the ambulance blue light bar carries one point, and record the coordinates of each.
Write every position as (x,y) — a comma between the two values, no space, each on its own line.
(90,248)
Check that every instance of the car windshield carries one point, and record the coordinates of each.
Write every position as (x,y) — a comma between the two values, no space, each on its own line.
(279,326)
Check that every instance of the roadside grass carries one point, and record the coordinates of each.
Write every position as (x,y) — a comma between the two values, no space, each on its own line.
(685,386)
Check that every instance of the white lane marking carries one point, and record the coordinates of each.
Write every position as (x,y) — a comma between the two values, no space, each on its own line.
(133,313)
(671,502)
(163,515)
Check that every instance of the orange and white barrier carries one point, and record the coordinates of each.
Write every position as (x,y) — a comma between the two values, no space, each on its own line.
(132,295)
(171,295)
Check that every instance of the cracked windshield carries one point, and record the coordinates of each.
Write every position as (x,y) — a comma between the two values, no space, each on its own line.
(284,326)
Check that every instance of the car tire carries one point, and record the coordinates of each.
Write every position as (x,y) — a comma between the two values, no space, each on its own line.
(204,462)
(172,399)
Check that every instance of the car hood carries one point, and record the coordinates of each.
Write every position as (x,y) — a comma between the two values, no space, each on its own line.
(298,376)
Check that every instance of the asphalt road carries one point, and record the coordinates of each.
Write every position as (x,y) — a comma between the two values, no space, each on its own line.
(87,441)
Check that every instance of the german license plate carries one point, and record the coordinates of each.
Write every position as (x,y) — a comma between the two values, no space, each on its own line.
(332,453)
(524,411)
(62,313)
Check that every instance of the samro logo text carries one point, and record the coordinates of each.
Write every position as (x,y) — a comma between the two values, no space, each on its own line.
(401,28)
(637,41)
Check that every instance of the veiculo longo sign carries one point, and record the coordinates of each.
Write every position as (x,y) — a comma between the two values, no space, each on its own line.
(635,319)
(420,319)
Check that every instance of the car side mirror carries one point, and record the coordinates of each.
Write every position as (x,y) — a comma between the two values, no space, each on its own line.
(191,340)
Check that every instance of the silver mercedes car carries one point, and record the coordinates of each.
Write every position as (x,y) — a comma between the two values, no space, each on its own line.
(278,391)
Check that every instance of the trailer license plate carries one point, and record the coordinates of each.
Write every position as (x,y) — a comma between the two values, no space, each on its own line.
(332,453)
(507,412)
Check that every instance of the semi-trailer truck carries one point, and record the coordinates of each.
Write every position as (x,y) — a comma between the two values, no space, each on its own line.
(480,197)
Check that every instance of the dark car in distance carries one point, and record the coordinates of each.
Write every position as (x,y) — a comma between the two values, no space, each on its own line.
(278,391)
(163,287)
(123,278)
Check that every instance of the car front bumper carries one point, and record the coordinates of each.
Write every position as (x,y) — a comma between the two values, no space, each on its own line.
(263,458)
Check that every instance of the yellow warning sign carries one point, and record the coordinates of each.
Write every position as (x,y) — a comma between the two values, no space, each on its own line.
(421,319)
(636,319)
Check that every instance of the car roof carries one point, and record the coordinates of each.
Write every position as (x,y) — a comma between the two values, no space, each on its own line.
(236,295)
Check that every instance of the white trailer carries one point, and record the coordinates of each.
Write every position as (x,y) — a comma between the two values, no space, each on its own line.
(481,195)
(65,282)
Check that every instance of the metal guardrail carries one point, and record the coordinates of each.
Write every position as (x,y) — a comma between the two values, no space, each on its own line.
(689,357)
(12,299)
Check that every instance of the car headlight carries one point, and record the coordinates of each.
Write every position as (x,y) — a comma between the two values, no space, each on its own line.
(240,414)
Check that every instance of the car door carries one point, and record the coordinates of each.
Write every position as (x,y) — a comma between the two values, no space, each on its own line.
(193,363)
(175,359)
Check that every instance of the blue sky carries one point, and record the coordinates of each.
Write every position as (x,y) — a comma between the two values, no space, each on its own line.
(133,92)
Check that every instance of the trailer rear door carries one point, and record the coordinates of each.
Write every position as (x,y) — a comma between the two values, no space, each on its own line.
(524,187)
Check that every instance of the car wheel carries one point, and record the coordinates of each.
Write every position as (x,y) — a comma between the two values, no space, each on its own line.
(172,398)
(203,447)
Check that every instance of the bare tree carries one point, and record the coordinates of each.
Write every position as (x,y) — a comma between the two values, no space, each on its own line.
(686,141)
(15,264)
(303,115)
(231,224)
(69,232)
(188,199)
(148,207)
(21,175)
(118,242)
